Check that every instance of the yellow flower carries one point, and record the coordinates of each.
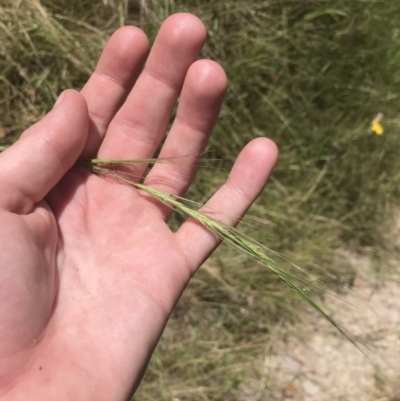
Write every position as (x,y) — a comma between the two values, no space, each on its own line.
(376,125)
(377,128)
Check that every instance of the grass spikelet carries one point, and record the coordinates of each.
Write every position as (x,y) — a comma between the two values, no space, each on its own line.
(230,235)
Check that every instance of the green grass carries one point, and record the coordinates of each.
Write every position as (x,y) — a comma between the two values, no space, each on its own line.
(309,74)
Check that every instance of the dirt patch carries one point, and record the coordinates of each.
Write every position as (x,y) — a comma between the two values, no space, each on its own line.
(313,362)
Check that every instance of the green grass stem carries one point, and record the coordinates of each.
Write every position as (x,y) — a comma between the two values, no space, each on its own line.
(230,235)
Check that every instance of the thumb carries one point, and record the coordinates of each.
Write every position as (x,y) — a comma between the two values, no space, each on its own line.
(31,167)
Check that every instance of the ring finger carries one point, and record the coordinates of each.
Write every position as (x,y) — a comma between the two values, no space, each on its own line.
(198,110)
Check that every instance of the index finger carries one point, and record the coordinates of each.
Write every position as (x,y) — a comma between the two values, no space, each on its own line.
(116,72)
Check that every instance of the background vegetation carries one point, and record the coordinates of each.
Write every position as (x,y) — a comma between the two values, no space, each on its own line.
(311,75)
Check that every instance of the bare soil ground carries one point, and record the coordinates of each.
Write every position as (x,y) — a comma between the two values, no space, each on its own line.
(313,362)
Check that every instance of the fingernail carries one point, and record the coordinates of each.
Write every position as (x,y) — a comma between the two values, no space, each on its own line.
(59,100)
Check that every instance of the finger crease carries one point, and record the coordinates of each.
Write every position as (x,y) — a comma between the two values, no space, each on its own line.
(112,80)
(145,136)
(162,81)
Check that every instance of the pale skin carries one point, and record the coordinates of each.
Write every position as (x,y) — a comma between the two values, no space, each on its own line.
(89,270)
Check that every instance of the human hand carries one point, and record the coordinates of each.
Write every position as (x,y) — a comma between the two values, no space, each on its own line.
(89,270)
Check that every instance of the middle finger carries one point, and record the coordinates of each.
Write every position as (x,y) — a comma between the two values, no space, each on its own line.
(140,124)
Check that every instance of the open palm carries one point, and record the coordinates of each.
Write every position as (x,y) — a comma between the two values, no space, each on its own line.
(89,270)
